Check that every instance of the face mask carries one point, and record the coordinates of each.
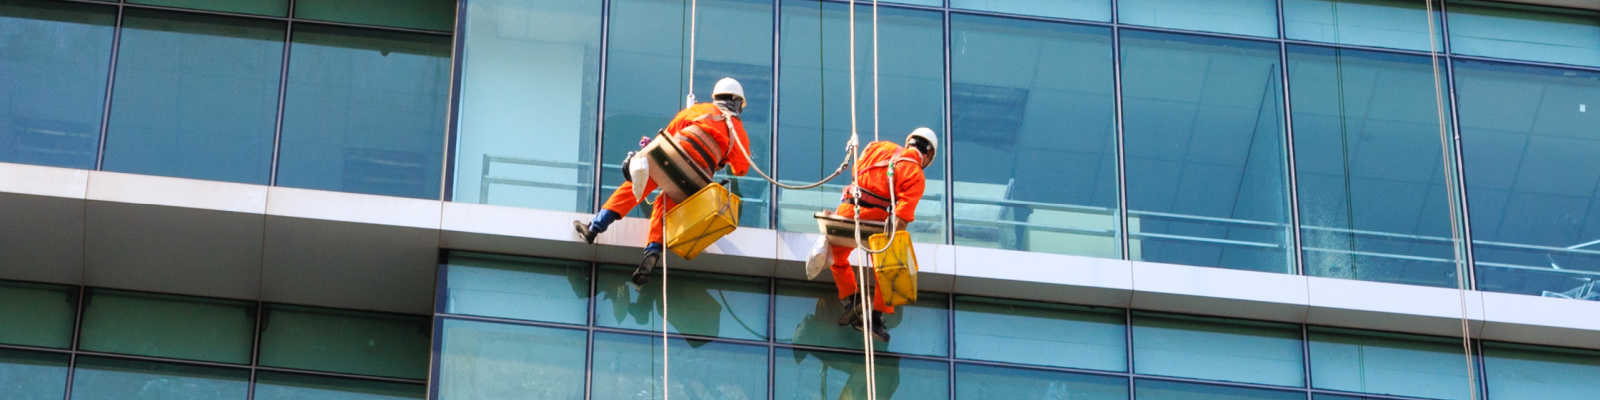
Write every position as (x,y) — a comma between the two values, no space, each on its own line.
(732,105)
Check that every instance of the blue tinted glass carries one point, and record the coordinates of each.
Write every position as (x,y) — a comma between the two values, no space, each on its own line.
(647,69)
(1515,31)
(1400,24)
(629,367)
(1205,156)
(1217,349)
(1243,17)
(1380,363)
(365,111)
(351,342)
(37,315)
(1034,136)
(1092,10)
(981,382)
(530,82)
(814,121)
(30,375)
(1517,372)
(480,360)
(808,315)
(114,379)
(1041,334)
(53,62)
(1148,389)
(518,288)
(196,97)
(702,304)
(1529,144)
(805,374)
(1368,153)
(280,386)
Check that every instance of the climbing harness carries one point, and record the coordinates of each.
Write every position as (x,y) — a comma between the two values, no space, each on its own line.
(1450,184)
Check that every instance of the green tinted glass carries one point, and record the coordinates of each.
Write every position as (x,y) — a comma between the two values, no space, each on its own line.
(702,304)
(807,315)
(276,8)
(54,58)
(981,382)
(805,374)
(37,315)
(1400,24)
(345,341)
(1394,364)
(433,15)
(1242,17)
(112,379)
(1504,30)
(1149,389)
(280,386)
(496,361)
(1217,349)
(629,367)
(168,326)
(1516,372)
(1041,334)
(517,288)
(30,375)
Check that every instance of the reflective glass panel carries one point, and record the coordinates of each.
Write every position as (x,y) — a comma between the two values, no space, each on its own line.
(1092,10)
(496,361)
(702,304)
(517,288)
(981,382)
(1217,349)
(1529,144)
(1241,17)
(814,120)
(1399,24)
(280,386)
(808,314)
(530,81)
(647,73)
(1149,389)
(805,374)
(1516,372)
(1515,31)
(196,97)
(433,15)
(629,367)
(158,325)
(1382,363)
(1368,143)
(350,342)
(1026,332)
(365,111)
(37,315)
(113,379)
(54,59)
(1205,154)
(1034,141)
(30,375)
(276,8)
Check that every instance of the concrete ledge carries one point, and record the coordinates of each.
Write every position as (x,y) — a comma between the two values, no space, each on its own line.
(44,181)
(1392,307)
(177,192)
(1043,276)
(1219,292)
(1530,319)
(351,207)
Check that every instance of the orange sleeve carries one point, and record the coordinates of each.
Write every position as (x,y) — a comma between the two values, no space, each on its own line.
(909,186)
(739,159)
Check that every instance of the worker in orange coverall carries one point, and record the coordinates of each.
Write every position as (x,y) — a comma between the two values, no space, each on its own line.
(872,183)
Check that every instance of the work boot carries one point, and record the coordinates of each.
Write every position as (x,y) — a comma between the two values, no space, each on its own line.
(652,259)
(602,220)
(879,332)
(852,311)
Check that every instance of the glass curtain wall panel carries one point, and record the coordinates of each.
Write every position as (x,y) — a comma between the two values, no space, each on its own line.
(1370,144)
(1529,142)
(807,374)
(1523,32)
(1025,332)
(196,96)
(1239,17)
(1089,10)
(1217,349)
(814,120)
(54,59)
(167,326)
(1519,372)
(37,315)
(365,111)
(271,8)
(517,288)
(530,84)
(647,73)
(982,382)
(807,315)
(433,15)
(1397,24)
(350,342)
(1205,155)
(629,367)
(30,375)
(479,360)
(1034,136)
(702,304)
(97,378)
(281,386)
(1150,389)
(1389,364)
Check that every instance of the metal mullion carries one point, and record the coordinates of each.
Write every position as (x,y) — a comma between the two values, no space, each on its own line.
(1220,383)
(457,55)
(208,12)
(1305,358)
(372,27)
(1297,42)
(1042,368)
(1363,396)
(950,341)
(435,363)
(77,326)
(1127,331)
(1469,280)
(34,349)
(164,360)
(283,92)
(1123,240)
(905,6)
(255,349)
(111,80)
(1023,17)
(342,375)
(772,326)
(598,192)
(1290,171)
(588,328)
(772,147)
(1482,367)
(1522,62)
(949,146)
(853,352)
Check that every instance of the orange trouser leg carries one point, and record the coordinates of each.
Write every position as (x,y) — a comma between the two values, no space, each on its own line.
(844,277)
(622,201)
(657,226)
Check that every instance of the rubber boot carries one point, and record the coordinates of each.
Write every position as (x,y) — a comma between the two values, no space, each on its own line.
(879,332)
(652,259)
(852,310)
(602,220)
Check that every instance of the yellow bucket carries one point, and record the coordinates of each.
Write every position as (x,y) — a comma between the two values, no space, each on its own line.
(896,268)
(695,224)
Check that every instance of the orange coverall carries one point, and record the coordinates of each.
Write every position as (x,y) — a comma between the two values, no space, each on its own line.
(708,118)
(872,177)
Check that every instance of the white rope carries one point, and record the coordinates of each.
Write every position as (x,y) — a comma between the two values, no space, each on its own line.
(666,360)
(1450,179)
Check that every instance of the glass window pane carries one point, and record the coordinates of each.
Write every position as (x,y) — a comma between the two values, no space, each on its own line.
(276,8)
(1529,146)
(1242,17)
(1205,156)
(1528,373)
(349,342)
(981,382)
(1027,332)
(1400,24)
(648,68)
(497,361)
(433,15)
(1091,10)
(1148,389)
(1515,31)
(808,314)
(702,304)
(30,375)
(805,374)
(629,367)
(365,111)
(168,326)
(814,122)
(280,386)
(1034,142)
(54,59)
(114,379)
(1217,349)
(1382,363)
(530,84)
(533,289)
(1374,205)
(37,315)
(196,97)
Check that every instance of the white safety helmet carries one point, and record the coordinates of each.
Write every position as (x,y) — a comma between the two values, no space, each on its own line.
(729,86)
(925,135)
